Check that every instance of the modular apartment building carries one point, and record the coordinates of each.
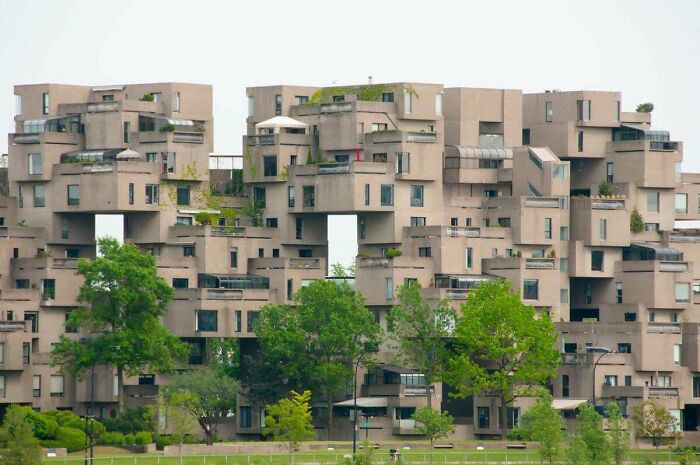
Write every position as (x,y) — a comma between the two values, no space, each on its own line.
(470,184)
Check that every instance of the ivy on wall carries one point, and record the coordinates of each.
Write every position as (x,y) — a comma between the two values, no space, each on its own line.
(365,93)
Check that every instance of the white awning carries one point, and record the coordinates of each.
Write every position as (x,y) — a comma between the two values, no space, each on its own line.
(567,404)
(128,155)
(281,122)
(364,402)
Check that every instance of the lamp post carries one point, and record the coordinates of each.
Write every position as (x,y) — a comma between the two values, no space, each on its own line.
(603,351)
(354,403)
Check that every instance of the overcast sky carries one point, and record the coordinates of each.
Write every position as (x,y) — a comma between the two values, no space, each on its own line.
(648,50)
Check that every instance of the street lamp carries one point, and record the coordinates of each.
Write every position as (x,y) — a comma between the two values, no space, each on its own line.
(354,398)
(603,351)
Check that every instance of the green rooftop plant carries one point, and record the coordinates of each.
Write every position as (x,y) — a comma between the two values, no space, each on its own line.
(167,127)
(393,253)
(636,221)
(646,107)
(147,97)
(605,189)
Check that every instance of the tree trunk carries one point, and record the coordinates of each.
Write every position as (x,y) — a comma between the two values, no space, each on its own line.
(428,395)
(120,388)
(207,431)
(504,418)
(330,415)
(179,451)
(432,450)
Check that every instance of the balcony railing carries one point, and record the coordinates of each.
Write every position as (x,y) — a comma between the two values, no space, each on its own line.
(462,231)
(27,138)
(541,202)
(224,294)
(660,392)
(336,107)
(334,168)
(540,263)
(607,204)
(228,231)
(374,262)
(422,137)
(98,107)
(188,137)
(663,146)
(65,263)
(305,263)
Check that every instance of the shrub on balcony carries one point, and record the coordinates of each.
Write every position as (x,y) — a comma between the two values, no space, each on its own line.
(147,98)
(167,127)
(646,107)
(309,158)
(605,189)
(636,221)
(204,218)
(393,253)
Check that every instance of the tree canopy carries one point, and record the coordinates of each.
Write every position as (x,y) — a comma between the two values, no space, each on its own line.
(289,420)
(433,425)
(122,299)
(544,424)
(653,420)
(17,441)
(501,346)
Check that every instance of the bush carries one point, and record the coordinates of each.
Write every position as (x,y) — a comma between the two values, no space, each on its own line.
(605,189)
(133,421)
(147,98)
(393,253)
(204,218)
(44,427)
(112,438)
(70,438)
(636,221)
(647,107)
(142,438)
(167,127)
(163,440)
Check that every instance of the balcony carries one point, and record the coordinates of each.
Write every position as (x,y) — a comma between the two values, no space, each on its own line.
(115,105)
(442,231)
(305,263)
(645,145)
(619,392)
(407,426)
(12,326)
(659,392)
(251,232)
(281,263)
(373,262)
(636,266)
(398,137)
(278,139)
(515,263)
(63,138)
(157,137)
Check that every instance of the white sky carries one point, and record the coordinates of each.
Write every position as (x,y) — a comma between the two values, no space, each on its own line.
(648,50)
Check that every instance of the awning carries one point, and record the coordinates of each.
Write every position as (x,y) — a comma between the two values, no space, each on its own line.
(463,151)
(364,402)
(567,404)
(128,154)
(281,122)
(544,154)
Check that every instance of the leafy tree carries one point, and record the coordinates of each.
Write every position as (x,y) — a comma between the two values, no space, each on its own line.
(618,436)
(433,425)
(338,270)
(420,334)
(577,453)
(350,270)
(543,423)
(224,354)
(654,421)
(647,107)
(289,421)
(179,423)
(501,346)
(255,212)
(122,301)
(19,446)
(315,342)
(591,432)
(605,189)
(636,221)
(133,420)
(208,395)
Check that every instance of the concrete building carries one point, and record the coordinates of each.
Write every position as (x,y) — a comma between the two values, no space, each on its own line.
(470,185)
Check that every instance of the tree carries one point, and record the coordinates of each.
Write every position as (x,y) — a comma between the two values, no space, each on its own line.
(654,421)
(501,347)
(433,425)
(420,333)
(338,270)
(289,421)
(577,453)
(591,432)
(543,423)
(180,423)
(636,221)
(20,447)
(647,107)
(605,189)
(618,437)
(208,395)
(315,342)
(122,301)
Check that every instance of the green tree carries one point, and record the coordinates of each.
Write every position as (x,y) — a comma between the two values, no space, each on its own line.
(122,300)
(420,334)
(654,421)
(19,446)
(433,425)
(501,346)
(618,437)
(589,429)
(208,395)
(289,421)
(543,423)
(636,221)
(338,270)
(605,189)
(180,423)
(577,453)
(646,107)
(315,342)
(255,212)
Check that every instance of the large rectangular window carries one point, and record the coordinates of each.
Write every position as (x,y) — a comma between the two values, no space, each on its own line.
(416,195)
(682,292)
(309,196)
(609,172)
(259,197)
(152,192)
(56,386)
(299,227)
(291,200)
(407,103)
(36,386)
(597,260)
(530,289)
(206,320)
(73,194)
(681,203)
(403,162)
(389,283)
(603,229)
(547,228)
(653,202)
(278,105)
(387,195)
(424,251)
(39,198)
(26,353)
(583,110)
(548,112)
(45,103)
(565,386)
(48,288)
(183,195)
(246,417)
(469,258)
(36,164)
(483,420)
(181,283)
(176,102)
(270,165)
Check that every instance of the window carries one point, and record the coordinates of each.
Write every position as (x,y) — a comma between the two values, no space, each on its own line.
(26,351)
(548,112)
(564,296)
(652,316)
(39,200)
(131,193)
(469,257)
(20,196)
(379,157)
(183,195)
(251,106)
(45,103)
(483,417)
(18,105)
(72,253)
(570,347)
(56,386)
(537,253)
(583,110)
(526,136)
(271,222)
(389,283)
(597,260)
(238,325)
(565,385)
(366,194)
(377,127)
(290,289)
(653,202)
(563,233)
(674,317)
(293,160)
(176,102)
(387,97)
(530,289)
(48,289)
(609,172)
(36,386)
(65,231)
(603,229)
(681,203)
(181,283)
(270,166)
(244,413)
(184,220)
(618,111)
(588,290)
(651,227)
(290,196)
(188,251)
(127,130)
(74,194)
(168,165)
(387,195)
(624,348)
(21,284)
(424,252)
(407,104)
(610,380)
(2,385)
(618,293)
(630,316)
(305,253)
(206,320)
(547,228)
(403,162)
(454,222)
(362,226)
(152,192)
(438,104)
(275,253)
(299,227)
(309,196)
(579,141)
(157,97)
(417,221)
(234,257)
(696,386)
(301,99)
(278,105)
(338,98)
(2,352)
(682,292)
(665,380)
(36,162)
(251,315)
(261,253)
(416,195)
